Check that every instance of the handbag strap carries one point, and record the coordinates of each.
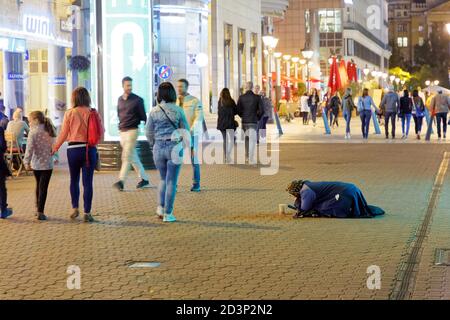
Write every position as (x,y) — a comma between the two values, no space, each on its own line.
(168,118)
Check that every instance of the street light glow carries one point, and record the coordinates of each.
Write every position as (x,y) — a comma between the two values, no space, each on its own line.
(427,83)
(287,57)
(277,55)
(307,54)
(295,59)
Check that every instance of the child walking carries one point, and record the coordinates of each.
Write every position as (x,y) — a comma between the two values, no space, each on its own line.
(38,157)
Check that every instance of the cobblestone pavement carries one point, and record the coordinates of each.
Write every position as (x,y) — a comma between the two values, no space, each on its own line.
(230,242)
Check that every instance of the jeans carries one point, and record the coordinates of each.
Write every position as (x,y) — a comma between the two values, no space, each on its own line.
(262,125)
(169,171)
(314,114)
(418,121)
(250,141)
(305,117)
(441,117)
(42,181)
(406,123)
(195,161)
(128,140)
(392,116)
(228,143)
(348,119)
(3,192)
(77,162)
(366,116)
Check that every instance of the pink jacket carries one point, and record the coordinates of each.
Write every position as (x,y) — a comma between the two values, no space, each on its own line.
(74,127)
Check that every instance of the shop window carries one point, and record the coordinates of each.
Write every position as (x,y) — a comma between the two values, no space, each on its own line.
(34,67)
(242,58)
(254,58)
(44,67)
(228,54)
(420,28)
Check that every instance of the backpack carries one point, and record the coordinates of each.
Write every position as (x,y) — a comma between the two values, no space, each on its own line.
(95,130)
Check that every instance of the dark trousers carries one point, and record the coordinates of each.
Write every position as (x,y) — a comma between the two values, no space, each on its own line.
(392,116)
(314,113)
(3,193)
(305,117)
(418,122)
(262,125)
(77,164)
(366,116)
(42,181)
(441,117)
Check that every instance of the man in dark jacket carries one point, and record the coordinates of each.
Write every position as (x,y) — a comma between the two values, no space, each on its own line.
(3,118)
(250,109)
(4,173)
(131,113)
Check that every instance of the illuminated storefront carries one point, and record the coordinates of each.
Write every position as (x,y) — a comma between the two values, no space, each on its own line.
(35,41)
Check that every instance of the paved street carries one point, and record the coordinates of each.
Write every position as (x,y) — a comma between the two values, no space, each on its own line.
(230,242)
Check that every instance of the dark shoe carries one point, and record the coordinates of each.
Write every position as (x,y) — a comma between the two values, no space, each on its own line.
(7,213)
(75,214)
(144,184)
(42,217)
(196,187)
(118,185)
(88,218)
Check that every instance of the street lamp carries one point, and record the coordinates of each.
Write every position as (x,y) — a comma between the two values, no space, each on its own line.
(436,83)
(447,26)
(287,59)
(308,54)
(278,56)
(295,60)
(392,78)
(428,83)
(366,71)
(271,43)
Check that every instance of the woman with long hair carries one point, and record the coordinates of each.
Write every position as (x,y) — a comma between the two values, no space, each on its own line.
(348,106)
(418,112)
(163,134)
(39,158)
(365,105)
(81,156)
(226,123)
(313,103)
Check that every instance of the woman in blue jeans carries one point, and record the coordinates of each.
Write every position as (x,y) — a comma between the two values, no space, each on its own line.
(164,134)
(82,158)
(365,104)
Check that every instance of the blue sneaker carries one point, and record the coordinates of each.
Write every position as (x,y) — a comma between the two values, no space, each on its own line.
(196,187)
(6,213)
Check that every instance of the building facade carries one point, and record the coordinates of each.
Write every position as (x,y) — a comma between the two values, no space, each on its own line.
(411,21)
(35,41)
(354,30)
(235,44)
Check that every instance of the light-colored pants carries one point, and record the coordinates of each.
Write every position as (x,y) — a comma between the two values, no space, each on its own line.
(128,140)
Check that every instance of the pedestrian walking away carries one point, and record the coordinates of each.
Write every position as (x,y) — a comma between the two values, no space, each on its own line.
(39,157)
(440,105)
(390,105)
(348,105)
(5,212)
(131,113)
(267,112)
(226,123)
(81,153)
(335,103)
(405,113)
(418,113)
(313,102)
(304,108)
(365,105)
(167,144)
(193,110)
(250,109)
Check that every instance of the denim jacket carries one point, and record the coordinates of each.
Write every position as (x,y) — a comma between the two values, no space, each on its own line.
(160,128)
(366,103)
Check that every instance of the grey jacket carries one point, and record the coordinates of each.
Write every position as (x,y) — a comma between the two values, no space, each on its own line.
(440,103)
(390,102)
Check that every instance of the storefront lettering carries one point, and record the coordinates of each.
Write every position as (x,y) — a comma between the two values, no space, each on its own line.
(16,76)
(37,25)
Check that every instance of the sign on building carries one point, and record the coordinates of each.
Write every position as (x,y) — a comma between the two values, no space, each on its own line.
(127,32)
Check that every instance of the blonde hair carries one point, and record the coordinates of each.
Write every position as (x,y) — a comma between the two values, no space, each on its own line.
(17,115)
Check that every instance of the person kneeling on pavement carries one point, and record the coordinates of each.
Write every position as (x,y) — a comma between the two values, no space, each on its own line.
(330,199)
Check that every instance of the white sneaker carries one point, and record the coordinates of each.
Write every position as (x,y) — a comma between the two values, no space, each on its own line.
(160,212)
(169,218)
(349,136)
